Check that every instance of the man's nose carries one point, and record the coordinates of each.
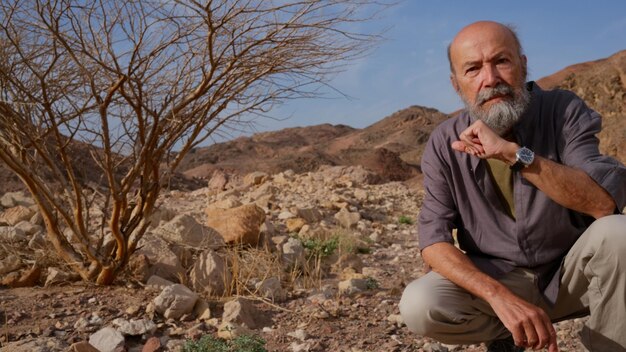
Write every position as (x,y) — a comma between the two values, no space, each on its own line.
(491,76)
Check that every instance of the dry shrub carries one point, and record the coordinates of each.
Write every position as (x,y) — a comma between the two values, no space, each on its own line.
(248,266)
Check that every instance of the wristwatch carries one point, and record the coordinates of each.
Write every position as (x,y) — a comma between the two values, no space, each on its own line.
(523,158)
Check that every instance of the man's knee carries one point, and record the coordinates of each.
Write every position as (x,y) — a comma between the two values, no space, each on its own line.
(431,302)
(610,234)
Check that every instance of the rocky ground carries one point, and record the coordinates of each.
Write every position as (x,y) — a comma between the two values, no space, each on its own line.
(331,254)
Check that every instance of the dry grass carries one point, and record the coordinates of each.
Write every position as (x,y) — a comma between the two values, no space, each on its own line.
(249,266)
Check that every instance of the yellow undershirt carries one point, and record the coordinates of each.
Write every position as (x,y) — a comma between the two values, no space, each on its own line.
(502,175)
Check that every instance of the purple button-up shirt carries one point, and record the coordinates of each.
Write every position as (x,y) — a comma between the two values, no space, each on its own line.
(460,194)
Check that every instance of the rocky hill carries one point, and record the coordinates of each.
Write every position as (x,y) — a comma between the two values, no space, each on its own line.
(602,84)
(391,148)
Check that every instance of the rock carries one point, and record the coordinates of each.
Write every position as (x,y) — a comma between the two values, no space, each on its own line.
(155,281)
(347,219)
(228,203)
(229,330)
(14,215)
(175,301)
(185,230)
(361,195)
(82,346)
(134,327)
(10,234)
(160,216)
(300,347)
(311,215)
(40,344)
(10,263)
(396,319)
(295,224)
(24,278)
(299,334)
(293,252)
(139,267)
(210,274)
(255,178)
(165,263)
(351,286)
(242,311)
(152,345)
(347,261)
(239,225)
(13,199)
(57,276)
(202,310)
(218,181)
(28,228)
(271,288)
(284,215)
(107,340)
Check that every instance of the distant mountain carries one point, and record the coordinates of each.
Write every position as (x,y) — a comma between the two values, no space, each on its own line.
(391,148)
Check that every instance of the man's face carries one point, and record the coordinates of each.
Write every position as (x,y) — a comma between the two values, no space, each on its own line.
(489,75)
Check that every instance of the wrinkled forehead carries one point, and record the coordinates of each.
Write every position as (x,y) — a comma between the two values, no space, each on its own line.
(480,39)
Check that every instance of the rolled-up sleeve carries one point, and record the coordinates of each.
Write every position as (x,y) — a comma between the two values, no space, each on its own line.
(581,150)
(436,219)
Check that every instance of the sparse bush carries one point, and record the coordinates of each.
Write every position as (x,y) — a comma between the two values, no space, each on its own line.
(100,101)
(403,219)
(208,343)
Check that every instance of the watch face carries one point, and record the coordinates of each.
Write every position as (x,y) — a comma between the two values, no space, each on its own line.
(525,156)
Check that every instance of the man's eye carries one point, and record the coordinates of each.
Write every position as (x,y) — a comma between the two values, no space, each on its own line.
(471,70)
(502,61)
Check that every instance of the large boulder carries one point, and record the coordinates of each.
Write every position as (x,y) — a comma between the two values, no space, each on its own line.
(210,274)
(175,301)
(242,311)
(164,262)
(239,225)
(185,230)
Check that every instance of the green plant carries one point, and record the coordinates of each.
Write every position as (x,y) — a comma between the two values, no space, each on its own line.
(371,283)
(318,247)
(243,343)
(403,219)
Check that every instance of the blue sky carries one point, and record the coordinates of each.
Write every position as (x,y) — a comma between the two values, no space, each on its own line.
(410,67)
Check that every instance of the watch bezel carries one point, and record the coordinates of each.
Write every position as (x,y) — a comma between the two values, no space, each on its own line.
(523,158)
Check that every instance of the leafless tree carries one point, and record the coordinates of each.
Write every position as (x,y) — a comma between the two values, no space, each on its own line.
(113,88)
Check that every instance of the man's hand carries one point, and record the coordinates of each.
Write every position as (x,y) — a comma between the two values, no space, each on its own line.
(481,141)
(529,324)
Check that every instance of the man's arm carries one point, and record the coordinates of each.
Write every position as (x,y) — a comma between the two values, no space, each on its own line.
(567,186)
(529,324)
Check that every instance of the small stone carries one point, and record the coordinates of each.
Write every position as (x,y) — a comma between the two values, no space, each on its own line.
(229,330)
(134,327)
(152,345)
(299,334)
(107,340)
(83,346)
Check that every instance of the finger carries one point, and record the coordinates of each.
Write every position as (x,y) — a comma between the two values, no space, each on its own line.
(553,345)
(530,333)
(459,146)
(519,337)
(545,330)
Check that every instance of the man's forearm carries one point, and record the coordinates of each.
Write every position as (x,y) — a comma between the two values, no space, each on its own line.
(569,187)
(454,265)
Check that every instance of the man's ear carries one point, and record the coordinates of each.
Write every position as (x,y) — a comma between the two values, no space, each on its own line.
(455,84)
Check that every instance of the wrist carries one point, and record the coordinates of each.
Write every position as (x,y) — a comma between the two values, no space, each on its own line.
(509,153)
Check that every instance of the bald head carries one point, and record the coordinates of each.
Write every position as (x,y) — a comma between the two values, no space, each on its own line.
(479,30)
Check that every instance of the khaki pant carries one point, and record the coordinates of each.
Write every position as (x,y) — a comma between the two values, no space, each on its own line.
(593,283)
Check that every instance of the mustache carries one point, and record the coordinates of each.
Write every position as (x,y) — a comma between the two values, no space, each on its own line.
(489,93)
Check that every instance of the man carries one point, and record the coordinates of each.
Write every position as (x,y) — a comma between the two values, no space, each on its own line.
(519,176)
